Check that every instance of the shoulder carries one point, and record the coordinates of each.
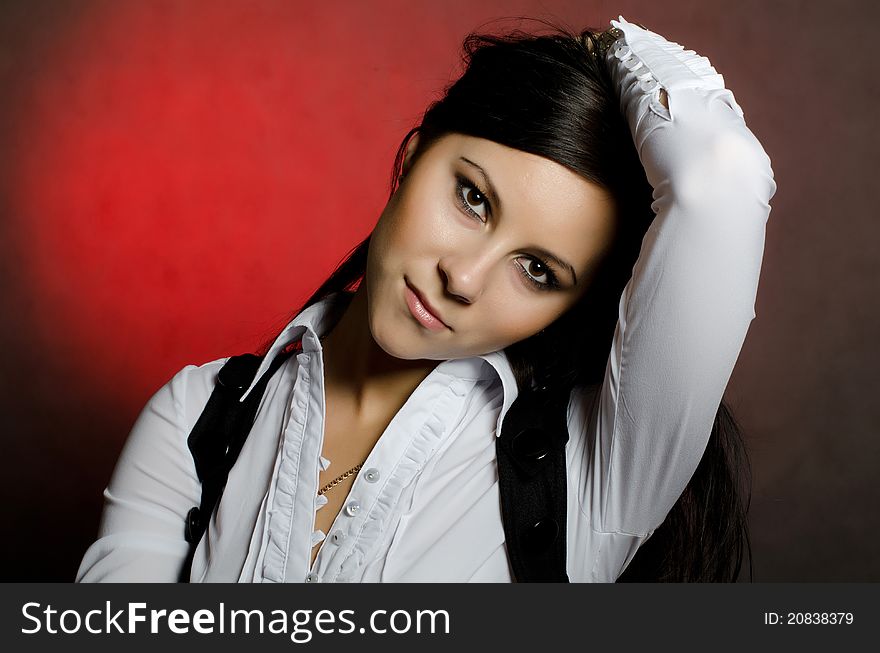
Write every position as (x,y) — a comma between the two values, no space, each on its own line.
(155,465)
(189,389)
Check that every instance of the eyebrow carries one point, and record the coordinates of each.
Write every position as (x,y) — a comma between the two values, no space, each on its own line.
(493,195)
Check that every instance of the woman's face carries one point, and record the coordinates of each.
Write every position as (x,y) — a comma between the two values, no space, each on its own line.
(478,248)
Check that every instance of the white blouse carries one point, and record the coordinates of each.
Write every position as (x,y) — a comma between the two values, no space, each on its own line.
(426,506)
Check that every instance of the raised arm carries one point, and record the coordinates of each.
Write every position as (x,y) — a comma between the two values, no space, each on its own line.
(684,314)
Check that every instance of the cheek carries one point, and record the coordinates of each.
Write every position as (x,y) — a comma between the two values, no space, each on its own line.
(392,234)
(423,222)
(515,317)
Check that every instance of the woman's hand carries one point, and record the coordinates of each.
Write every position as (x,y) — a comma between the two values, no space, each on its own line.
(605,40)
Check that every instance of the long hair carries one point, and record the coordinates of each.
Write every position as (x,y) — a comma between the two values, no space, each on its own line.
(550,96)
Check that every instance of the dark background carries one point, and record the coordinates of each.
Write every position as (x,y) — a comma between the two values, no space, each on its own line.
(162,164)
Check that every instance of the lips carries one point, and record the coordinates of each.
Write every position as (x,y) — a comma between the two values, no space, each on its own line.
(423,311)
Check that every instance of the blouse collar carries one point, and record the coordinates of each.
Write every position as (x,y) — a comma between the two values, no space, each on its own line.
(318,319)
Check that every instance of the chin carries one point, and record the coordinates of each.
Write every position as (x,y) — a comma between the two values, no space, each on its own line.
(394,350)
(404,347)
(388,339)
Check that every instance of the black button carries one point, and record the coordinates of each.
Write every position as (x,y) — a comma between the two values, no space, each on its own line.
(530,445)
(193,524)
(541,535)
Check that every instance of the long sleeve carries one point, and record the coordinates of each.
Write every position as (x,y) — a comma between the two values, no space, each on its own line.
(684,314)
(154,484)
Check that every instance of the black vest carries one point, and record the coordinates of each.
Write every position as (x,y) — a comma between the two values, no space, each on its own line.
(530,454)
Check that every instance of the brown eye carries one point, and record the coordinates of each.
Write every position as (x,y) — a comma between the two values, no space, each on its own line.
(471,199)
(474,197)
(533,270)
(536,268)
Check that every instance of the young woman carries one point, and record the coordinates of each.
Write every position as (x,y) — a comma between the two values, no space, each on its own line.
(579,211)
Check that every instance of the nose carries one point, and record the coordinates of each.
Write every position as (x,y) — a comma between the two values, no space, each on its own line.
(464,273)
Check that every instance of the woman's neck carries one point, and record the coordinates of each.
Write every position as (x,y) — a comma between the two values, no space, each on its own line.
(364,380)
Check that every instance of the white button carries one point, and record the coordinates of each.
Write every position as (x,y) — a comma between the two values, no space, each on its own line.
(644,73)
(632,63)
(372,475)
(312,578)
(623,52)
(337,537)
(352,508)
(648,85)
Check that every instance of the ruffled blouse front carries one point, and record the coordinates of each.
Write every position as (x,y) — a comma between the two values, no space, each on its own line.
(381,492)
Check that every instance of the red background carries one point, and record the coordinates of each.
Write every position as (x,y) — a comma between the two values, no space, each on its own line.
(177,177)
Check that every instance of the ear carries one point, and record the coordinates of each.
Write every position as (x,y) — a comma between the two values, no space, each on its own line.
(410,150)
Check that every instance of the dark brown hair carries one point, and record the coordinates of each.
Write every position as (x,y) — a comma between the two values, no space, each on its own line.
(548,95)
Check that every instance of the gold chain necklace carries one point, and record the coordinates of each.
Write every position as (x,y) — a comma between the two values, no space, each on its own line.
(336,481)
